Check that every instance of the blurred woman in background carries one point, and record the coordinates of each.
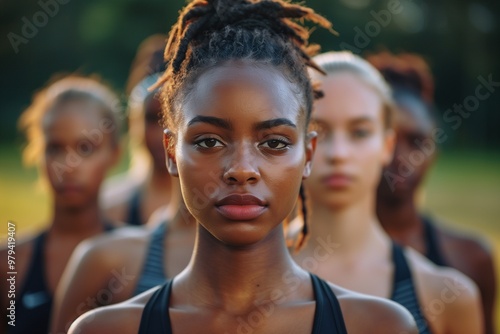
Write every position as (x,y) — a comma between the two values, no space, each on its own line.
(145,257)
(133,196)
(72,132)
(347,245)
(416,147)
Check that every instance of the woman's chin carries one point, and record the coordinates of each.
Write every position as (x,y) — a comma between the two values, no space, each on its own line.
(240,234)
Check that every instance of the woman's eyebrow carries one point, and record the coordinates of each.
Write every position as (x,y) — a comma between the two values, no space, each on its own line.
(215,121)
(362,119)
(265,125)
(226,125)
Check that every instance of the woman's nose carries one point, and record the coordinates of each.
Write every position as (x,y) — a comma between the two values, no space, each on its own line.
(336,147)
(242,166)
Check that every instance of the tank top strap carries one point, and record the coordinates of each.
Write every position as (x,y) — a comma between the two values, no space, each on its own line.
(432,250)
(134,211)
(35,279)
(328,318)
(403,291)
(108,225)
(155,317)
(153,270)
(401,268)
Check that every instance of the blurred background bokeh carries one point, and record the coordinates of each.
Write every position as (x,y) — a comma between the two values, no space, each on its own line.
(459,39)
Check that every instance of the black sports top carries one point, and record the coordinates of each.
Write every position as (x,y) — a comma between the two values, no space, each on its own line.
(153,270)
(404,289)
(328,317)
(432,249)
(134,209)
(34,302)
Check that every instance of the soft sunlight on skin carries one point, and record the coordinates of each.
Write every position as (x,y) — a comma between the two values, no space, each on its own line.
(244,141)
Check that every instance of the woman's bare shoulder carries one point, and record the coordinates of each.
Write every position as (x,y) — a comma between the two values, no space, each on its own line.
(368,314)
(111,250)
(121,318)
(128,236)
(437,278)
(449,299)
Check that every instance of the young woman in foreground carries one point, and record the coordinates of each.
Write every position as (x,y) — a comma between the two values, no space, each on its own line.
(237,101)
(347,245)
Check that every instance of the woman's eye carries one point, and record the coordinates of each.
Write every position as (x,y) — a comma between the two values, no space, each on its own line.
(276,144)
(361,133)
(414,140)
(209,143)
(53,149)
(322,134)
(152,118)
(322,131)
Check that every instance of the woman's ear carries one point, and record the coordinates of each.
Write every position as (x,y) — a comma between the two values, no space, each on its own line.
(168,146)
(389,146)
(311,141)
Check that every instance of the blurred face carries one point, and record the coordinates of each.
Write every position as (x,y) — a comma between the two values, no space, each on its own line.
(78,152)
(153,133)
(241,152)
(353,144)
(414,153)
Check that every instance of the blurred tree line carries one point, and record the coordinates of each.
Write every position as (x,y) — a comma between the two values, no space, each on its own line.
(459,38)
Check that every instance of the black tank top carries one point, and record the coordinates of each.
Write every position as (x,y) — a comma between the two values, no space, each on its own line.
(404,289)
(134,209)
(153,270)
(328,317)
(34,302)
(433,250)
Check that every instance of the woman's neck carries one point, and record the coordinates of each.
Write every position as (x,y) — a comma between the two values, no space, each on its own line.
(83,221)
(240,278)
(400,221)
(158,181)
(348,231)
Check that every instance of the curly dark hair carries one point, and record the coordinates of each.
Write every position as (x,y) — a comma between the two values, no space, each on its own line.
(406,71)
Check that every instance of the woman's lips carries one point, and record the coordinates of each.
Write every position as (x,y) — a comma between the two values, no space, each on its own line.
(241,207)
(337,181)
(241,212)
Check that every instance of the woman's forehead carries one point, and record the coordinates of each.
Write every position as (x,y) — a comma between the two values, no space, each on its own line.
(245,87)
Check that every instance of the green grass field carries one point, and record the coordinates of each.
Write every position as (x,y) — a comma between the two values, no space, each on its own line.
(463,189)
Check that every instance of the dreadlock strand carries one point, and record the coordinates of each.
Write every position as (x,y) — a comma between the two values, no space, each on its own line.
(192,30)
(305,227)
(195,13)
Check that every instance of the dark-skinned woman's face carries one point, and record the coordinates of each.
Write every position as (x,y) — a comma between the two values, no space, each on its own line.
(241,151)
(414,153)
